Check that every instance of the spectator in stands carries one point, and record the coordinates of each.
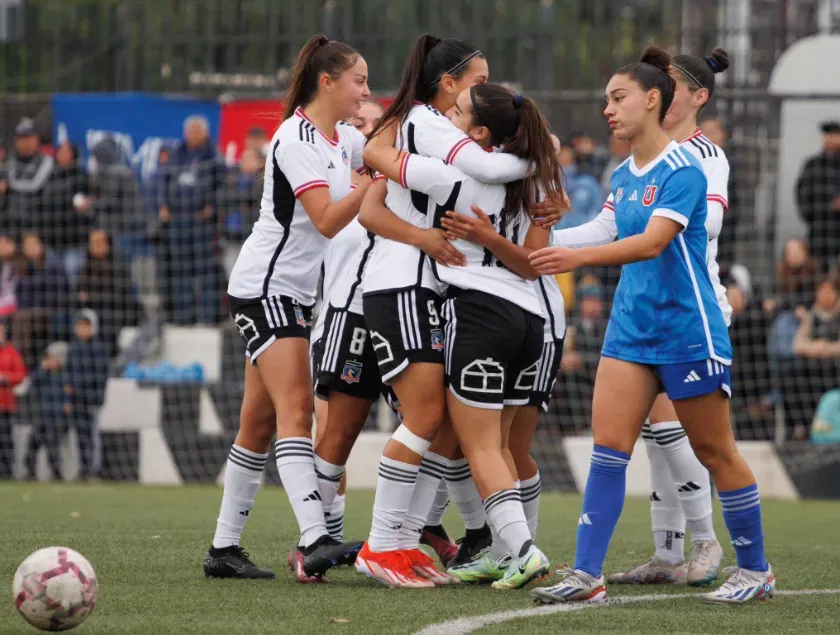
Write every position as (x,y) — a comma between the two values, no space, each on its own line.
(818,198)
(9,270)
(118,201)
(796,279)
(241,204)
(712,127)
(619,151)
(816,368)
(66,217)
(42,292)
(87,378)
(257,141)
(25,176)
(583,190)
(12,372)
(192,180)
(591,158)
(105,286)
(49,421)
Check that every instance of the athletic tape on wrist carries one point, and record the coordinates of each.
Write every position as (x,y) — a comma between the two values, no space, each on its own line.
(411,440)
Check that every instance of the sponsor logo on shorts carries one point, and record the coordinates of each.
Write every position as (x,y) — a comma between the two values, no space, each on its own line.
(300,318)
(352,372)
(437,339)
(247,328)
(483,376)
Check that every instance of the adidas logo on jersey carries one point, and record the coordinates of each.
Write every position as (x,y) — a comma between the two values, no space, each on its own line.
(634,196)
(692,376)
(331,166)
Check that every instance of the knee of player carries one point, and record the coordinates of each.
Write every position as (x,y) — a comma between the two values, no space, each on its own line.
(714,455)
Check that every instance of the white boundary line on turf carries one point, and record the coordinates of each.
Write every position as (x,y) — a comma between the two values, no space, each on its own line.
(466,625)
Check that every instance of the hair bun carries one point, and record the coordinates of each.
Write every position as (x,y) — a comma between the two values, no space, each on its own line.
(429,41)
(718,60)
(656,56)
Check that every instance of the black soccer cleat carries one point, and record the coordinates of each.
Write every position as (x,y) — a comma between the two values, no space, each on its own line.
(233,562)
(326,553)
(473,543)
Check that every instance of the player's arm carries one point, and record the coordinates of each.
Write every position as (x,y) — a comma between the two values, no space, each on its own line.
(717,194)
(357,148)
(679,198)
(601,230)
(377,218)
(299,163)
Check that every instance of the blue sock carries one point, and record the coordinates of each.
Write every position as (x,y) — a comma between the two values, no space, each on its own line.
(742,514)
(603,501)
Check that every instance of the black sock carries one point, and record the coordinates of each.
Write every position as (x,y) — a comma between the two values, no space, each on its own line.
(437,530)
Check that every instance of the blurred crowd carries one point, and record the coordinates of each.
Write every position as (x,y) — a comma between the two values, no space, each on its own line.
(80,240)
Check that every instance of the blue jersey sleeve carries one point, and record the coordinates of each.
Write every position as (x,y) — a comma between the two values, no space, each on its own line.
(683,194)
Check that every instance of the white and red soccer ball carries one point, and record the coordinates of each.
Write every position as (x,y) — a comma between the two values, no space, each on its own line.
(55,589)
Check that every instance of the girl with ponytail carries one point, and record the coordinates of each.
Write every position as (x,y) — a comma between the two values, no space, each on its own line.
(311,193)
(667,333)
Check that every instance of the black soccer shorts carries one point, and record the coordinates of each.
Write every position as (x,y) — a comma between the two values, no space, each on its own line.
(262,322)
(405,327)
(493,350)
(347,362)
(552,355)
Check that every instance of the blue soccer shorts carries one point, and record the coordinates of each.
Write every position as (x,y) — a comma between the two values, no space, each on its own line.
(694,379)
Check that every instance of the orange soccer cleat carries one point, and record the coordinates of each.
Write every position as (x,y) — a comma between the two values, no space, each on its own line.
(391,568)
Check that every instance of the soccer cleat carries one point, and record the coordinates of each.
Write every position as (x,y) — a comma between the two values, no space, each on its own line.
(704,563)
(481,569)
(654,571)
(326,553)
(435,536)
(578,586)
(474,542)
(391,568)
(296,565)
(744,586)
(233,562)
(425,567)
(532,564)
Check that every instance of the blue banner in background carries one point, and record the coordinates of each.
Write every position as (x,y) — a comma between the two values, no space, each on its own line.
(140,123)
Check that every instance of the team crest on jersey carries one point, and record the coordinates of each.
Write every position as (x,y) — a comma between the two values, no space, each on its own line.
(437,339)
(352,372)
(650,194)
(344,156)
(300,318)
(619,194)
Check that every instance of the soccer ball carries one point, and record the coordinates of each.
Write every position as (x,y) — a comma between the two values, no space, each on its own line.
(55,589)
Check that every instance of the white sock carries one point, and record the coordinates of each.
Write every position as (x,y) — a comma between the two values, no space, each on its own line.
(329,480)
(394,488)
(242,480)
(335,518)
(296,466)
(691,478)
(530,490)
(431,473)
(463,491)
(504,512)
(666,515)
(497,547)
(439,506)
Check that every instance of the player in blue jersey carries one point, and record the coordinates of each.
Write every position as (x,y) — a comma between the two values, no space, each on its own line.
(666,333)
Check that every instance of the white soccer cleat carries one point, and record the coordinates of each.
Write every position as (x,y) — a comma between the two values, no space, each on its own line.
(578,586)
(744,586)
(654,571)
(704,563)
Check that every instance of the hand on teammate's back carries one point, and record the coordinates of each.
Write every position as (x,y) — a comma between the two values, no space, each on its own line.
(434,244)
(478,229)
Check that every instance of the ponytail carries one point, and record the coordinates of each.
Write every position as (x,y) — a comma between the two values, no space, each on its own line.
(430,60)
(515,122)
(699,72)
(318,55)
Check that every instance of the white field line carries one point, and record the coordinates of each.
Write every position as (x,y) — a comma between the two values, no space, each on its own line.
(465,625)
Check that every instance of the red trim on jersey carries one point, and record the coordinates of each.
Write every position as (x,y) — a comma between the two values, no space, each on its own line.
(379,177)
(403,169)
(697,133)
(361,170)
(717,198)
(309,185)
(299,112)
(456,149)
(608,205)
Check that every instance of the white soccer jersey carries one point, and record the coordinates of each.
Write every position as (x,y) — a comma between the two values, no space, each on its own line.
(552,304)
(284,252)
(602,229)
(450,189)
(396,266)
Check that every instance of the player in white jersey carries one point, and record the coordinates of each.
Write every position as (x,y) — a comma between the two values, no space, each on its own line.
(679,482)
(339,254)
(307,199)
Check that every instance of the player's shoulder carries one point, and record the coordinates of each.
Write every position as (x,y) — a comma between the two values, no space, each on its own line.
(701,147)
(422,115)
(678,163)
(347,132)
(296,129)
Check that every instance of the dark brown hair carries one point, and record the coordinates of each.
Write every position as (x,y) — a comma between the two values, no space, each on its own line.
(516,122)
(651,72)
(699,72)
(318,55)
(429,60)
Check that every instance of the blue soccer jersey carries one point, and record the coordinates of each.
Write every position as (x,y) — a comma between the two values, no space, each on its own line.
(665,310)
